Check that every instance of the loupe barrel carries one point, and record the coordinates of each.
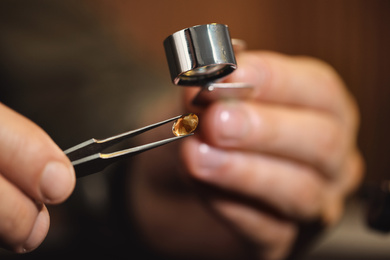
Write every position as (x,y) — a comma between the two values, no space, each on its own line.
(199,55)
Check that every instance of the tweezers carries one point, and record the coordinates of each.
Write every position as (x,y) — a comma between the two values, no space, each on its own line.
(87,157)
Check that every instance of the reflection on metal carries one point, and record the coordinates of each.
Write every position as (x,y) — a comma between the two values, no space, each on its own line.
(200,56)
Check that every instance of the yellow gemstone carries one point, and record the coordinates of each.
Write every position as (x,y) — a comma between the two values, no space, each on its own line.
(185,125)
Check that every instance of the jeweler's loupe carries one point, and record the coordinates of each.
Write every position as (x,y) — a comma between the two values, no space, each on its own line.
(202,55)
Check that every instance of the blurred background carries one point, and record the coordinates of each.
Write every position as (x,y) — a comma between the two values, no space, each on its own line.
(351,35)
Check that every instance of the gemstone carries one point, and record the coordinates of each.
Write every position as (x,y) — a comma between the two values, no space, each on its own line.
(185,125)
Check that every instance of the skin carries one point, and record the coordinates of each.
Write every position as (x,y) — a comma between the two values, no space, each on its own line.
(258,169)
(33,172)
(238,193)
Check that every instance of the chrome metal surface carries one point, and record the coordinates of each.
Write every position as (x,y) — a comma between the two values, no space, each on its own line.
(200,54)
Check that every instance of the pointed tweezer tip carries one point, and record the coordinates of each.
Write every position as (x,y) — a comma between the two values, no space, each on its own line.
(143,148)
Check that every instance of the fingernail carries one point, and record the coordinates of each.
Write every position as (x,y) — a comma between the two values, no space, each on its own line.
(210,158)
(57,182)
(234,123)
(38,232)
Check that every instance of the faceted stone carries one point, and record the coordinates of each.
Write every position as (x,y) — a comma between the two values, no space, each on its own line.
(185,125)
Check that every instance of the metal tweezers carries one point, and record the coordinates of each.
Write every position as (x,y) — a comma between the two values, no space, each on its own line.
(87,157)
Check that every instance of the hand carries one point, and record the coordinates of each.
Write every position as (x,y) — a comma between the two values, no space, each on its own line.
(256,169)
(287,155)
(33,172)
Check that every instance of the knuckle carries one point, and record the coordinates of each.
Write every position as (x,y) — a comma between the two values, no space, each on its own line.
(277,240)
(307,198)
(330,148)
(282,245)
(353,173)
(324,70)
(352,118)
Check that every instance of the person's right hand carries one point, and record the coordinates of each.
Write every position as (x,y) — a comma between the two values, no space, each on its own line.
(261,175)
(33,172)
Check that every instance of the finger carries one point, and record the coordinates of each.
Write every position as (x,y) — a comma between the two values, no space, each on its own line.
(297,81)
(301,134)
(39,230)
(292,189)
(351,173)
(350,176)
(273,235)
(32,161)
(291,81)
(24,224)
